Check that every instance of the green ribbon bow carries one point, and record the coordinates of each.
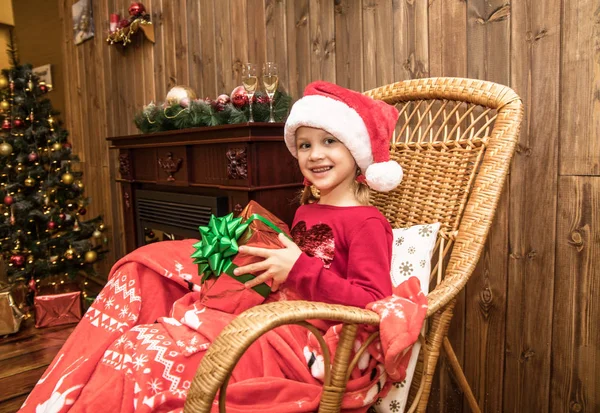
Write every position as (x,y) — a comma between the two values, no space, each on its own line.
(214,253)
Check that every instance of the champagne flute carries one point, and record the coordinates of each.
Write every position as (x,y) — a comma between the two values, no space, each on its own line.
(250,82)
(270,81)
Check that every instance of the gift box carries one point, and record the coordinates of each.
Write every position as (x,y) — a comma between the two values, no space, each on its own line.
(57,309)
(217,256)
(10,316)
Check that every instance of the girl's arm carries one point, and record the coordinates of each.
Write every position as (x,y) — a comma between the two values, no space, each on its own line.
(368,277)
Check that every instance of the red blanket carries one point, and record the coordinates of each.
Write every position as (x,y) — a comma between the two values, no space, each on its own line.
(139,345)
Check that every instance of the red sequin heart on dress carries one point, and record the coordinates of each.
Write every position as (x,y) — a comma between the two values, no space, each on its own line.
(315,242)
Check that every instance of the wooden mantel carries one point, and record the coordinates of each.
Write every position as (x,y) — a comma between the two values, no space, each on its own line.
(182,175)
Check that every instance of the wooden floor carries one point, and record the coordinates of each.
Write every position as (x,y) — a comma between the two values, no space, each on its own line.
(24,357)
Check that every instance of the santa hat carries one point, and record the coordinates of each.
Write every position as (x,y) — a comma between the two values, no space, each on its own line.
(363,124)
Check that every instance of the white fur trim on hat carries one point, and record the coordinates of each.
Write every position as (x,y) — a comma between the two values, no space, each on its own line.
(335,117)
(384,176)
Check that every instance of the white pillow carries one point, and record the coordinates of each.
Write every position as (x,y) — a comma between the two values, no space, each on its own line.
(411,256)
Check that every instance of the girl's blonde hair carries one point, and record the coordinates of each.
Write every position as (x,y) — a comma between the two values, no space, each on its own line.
(362,193)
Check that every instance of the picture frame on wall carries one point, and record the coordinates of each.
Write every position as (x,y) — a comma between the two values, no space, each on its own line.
(44,73)
(83,21)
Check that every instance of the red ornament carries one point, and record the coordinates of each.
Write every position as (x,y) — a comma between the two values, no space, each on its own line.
(32,157)
(6,124)
(17,260)
(223,99)
(67,145)
(239,97)
(52,225)
(62,216)
(18,122)
(264,99)
(8,200)
(82,211)
(32,285)
(136,9)
(43,88)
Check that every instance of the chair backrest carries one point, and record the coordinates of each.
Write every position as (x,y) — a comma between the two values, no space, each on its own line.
(455,138)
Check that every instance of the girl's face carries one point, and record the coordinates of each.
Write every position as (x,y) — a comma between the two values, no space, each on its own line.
(325,161)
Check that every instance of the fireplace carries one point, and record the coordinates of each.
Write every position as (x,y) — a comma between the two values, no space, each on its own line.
(173,181)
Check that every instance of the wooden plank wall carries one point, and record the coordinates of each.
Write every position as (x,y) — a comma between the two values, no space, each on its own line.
(524,326)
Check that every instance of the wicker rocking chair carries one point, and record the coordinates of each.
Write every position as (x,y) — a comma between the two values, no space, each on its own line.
(455,139)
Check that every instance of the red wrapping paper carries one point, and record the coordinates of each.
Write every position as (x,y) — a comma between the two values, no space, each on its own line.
(57,309)
(226,293)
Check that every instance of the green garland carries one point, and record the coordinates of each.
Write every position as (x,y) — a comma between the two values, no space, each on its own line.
(156,118)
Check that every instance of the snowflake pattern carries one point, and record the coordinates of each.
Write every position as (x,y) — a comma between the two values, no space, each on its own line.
(399,241)
(140,361)
(394,406)
(425,231)
(155,385)
(411,250)
(124,311)
(109,303)
(422,263)
(405,268)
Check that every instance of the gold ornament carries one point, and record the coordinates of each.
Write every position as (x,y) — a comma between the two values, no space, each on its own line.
(4,105)
(79,185)
(5,149)
(97,234)
(3,82)
(30,182)
(178,93)
(19,167)
(54,259)
(76,226)
(56,146)
(90,256)
(67,178)
(30,259)
(70,253)
(101,227)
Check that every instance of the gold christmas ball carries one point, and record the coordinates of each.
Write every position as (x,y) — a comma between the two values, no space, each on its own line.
(178,93)
(79,184)
(5,149)
(70,253)
(19,168)
(30,259)
(3,82)
(97,234)
(54,259)
(90,257)
(30,182)
(67,178)
(4,105)
(101,227)
(56,146)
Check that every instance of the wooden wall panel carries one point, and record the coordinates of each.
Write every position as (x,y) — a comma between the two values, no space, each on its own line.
(575,338)
(535,64)
(522,345)
(580,89)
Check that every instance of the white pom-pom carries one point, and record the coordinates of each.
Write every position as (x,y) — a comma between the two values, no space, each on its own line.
(384,176)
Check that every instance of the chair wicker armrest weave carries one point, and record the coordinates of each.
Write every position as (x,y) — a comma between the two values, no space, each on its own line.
(232,342)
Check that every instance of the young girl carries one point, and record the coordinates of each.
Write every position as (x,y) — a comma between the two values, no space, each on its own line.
(140,344)
(342,248)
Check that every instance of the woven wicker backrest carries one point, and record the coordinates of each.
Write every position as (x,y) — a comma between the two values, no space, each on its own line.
(454,140)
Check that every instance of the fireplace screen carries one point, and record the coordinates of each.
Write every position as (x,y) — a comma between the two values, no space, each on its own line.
(165,216)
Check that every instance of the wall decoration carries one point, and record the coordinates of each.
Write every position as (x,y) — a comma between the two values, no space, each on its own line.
(44,73)
(83,22)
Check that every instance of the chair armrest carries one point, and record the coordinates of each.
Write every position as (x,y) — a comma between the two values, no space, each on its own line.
(224,353)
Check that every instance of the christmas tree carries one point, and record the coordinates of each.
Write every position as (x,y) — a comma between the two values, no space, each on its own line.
(43,233)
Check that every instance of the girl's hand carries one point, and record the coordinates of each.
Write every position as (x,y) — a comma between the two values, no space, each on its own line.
(277,264)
